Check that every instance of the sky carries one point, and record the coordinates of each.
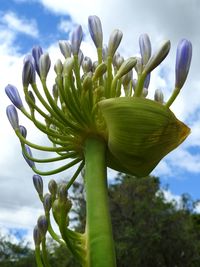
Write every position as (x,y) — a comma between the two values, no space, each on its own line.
(26,23)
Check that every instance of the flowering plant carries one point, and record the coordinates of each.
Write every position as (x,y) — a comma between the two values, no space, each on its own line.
(98,115)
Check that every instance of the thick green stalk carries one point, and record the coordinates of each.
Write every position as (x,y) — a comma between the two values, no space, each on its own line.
(100,245)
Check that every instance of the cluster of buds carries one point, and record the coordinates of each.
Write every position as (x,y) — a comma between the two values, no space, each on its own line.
(106,99)
(56,201)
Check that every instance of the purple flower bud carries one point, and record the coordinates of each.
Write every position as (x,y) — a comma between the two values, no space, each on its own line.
(12,116)
(44,65)
(38,183)
(95,29)
(65,48)
(114,41)
(52,185)
(37,236)
(147,80)
(14,96)
(183,60)
(23,131)
(47,202)
(77,36)
(145,48)
(42,224)
(28,151)
(28,73)
(87,64)
(36,53)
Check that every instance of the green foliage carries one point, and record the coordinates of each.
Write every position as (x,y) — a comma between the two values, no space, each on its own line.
(148,231)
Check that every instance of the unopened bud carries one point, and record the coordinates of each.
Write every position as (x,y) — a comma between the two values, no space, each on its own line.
(65,48)
(13,95)
(114,42)
(44,65)
(95,29)
(12,116)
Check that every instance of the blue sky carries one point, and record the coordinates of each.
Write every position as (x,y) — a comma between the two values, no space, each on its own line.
(25,23)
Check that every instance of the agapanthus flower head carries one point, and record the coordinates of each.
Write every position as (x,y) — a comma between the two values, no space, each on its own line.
(76,39)
(14,96)
(36,53)
(28,73)
(95,29)
(12,116)
(183,61)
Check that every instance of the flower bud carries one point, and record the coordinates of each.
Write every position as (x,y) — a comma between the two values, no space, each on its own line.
(147,80)
(105,52)
(127,78)
(62,192)
(38,183)
(145,48)
(183,60)
(99,71)
(44,65)
(158,96)
(87,64)
(95,29)
(42,224)
(157,57)
(23,131)
(37,236)
(28,72)
(58,67)
(65,48)
(114,41)
(55,92)
(12,116)
(28,151)
(47,202)
(13,95)
(138,66)
(126,66)
(80,57)
(76,40)
(52,185)
(36,53)
(32,101)
(68,66)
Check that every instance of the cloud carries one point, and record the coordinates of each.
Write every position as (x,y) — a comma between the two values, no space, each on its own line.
(20,25)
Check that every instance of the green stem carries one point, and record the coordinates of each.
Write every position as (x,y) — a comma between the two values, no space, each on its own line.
(38,257)
(100,245)
(173,97)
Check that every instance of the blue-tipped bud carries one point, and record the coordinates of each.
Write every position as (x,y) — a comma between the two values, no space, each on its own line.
(14,96)
(28,151)
(37,236)
(157,57)
(77,36)
(158,96)
(52,185)
(80,57)
(44,65)
(28,72)
(47,202)
(23,131)
(38,184)
(36,53)
(87,64)
(65,48)
(12,116)
(114,41)
(95,29)
(42,224)
(147,80)
(145,48)
(183,60)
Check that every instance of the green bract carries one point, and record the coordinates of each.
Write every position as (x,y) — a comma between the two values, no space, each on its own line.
(140,133)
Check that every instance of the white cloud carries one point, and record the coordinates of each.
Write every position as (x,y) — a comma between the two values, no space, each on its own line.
(17,24)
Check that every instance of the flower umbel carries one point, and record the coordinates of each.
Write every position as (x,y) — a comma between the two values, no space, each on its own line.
(96,116)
